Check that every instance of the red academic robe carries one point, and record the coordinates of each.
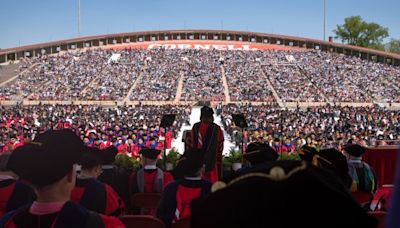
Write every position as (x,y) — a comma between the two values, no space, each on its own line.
(150,185)
(213,173)
(18,144)
(67,125)
(135,151)
(122,148)
(11,146)
(177,196)
(168,139)
(97,196)
(149,178)
(157,146)
(105,145)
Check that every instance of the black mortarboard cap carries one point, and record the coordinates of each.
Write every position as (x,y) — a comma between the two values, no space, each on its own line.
(260,152)
(335,161)
(354,150)
(307,153)
(48,158)
(91,158)
(149,153)
(207,111)
(108,155)
(240,120)
(190,163)
(167,120)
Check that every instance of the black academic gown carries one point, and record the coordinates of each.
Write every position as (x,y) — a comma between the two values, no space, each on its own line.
(118,179)
(170,206)
(14,194)
(70,215)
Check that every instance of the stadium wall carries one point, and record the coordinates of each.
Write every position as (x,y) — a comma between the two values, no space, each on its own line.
(12,54)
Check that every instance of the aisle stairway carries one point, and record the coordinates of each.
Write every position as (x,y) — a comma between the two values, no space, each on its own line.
(225,83)
(179,88)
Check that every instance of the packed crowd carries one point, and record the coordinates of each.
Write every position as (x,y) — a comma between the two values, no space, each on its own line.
(304,76)
(29,81)
(246,81)
(161,75)
(318,126)
(116,79)
(127,127)
(42,187)
(291,85)
(348,79)
(203,79)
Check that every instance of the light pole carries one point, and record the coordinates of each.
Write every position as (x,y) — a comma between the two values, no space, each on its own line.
(79,17)
(324,20)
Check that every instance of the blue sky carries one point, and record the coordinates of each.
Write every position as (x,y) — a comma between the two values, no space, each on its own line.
(33,21)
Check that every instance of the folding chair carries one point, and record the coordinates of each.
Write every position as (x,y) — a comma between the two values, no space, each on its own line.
(146,201)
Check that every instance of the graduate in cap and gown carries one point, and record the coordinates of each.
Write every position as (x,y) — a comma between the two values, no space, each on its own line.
(258,153)
(122,147)
(189,185)
(13,193)
(150,178)
(363,176)
(330,159)
(334,161)
(307,153)
(117,178)
(92,193)
(109,171)
(154,144)
(51,170)
(168,138)
(209,139)
(105,143)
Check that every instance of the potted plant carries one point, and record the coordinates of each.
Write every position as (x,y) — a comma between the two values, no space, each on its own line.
(226,163)
(125,162)
(234,158)
(289,156)
(171,159)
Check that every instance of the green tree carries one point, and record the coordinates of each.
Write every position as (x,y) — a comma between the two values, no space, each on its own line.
(393,46)
(356,31)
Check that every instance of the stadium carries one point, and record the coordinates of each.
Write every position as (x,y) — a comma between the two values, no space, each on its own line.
(298,98)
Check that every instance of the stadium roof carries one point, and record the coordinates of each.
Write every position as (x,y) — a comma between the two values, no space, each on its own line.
(365,53)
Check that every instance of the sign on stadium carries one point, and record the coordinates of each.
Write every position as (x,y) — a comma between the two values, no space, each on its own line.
(202,45)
